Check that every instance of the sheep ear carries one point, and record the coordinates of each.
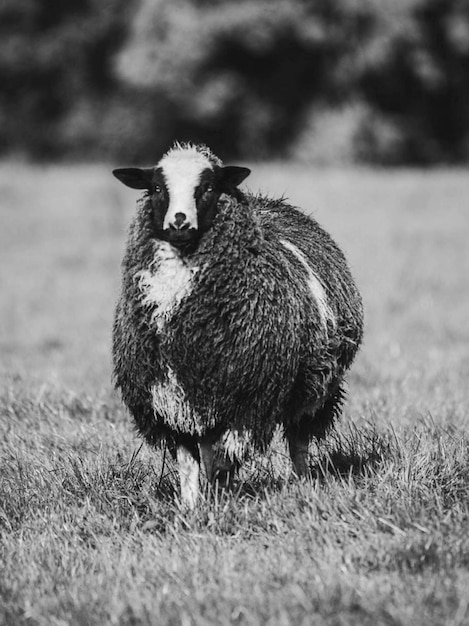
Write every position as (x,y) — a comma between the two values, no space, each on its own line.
(135,177)
(232,176)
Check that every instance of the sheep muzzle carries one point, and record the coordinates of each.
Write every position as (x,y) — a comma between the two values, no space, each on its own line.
(181,237)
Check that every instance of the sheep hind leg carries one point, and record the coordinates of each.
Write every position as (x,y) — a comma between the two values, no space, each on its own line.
(299,437)
(313,426)
(299,455)
(188,467)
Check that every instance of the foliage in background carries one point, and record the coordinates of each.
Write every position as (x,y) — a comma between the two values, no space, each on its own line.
(244,74)
(324,80)
(416,82)
(59,94)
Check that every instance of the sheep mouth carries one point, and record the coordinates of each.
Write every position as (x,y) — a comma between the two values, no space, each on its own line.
(182,240)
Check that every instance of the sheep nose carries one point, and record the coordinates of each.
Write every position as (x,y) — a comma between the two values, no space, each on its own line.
(179,222)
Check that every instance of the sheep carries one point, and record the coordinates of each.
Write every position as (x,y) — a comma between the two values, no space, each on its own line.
(238,315)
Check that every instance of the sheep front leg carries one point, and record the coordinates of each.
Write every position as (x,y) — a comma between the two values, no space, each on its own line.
(207,457)
(188,467)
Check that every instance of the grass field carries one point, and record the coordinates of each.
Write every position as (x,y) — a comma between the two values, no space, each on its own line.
(90,530)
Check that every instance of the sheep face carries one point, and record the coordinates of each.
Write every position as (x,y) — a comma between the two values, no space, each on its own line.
(184,189)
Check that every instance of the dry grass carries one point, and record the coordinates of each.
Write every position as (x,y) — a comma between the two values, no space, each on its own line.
(90,530)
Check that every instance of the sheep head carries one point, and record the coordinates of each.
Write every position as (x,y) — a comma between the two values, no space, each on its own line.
(184,189)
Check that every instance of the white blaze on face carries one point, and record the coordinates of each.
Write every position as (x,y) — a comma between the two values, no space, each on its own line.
(314,284)
(182,168)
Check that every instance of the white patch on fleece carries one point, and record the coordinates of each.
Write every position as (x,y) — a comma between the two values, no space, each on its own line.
(182,168)
(164,289)
(235,444)
(169,401)
(314,284)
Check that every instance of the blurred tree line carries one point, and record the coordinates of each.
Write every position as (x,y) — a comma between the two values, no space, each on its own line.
(368,80)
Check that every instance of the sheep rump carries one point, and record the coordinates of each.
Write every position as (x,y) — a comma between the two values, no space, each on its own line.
(259,333)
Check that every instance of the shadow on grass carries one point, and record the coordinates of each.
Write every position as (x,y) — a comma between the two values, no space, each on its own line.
(356,453)
(341,455)
(145,496)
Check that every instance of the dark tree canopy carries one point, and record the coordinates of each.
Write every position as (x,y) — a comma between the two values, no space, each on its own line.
(252,78)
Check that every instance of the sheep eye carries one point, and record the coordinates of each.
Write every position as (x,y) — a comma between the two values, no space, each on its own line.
(208,189)
(157,189)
